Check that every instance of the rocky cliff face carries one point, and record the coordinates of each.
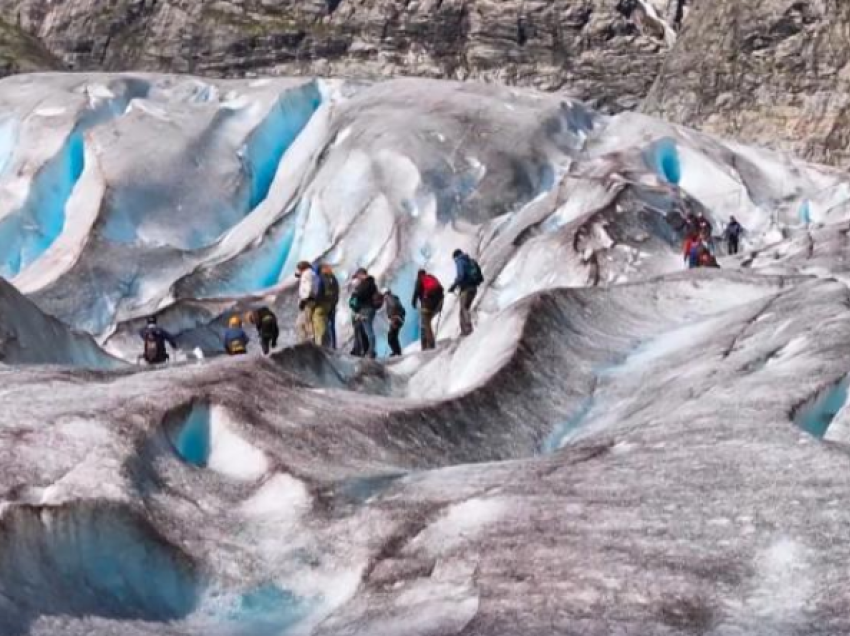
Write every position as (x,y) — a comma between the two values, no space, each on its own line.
(769,72)
(607,52)
(22,53)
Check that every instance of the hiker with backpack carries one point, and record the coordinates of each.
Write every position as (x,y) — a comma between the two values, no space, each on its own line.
(704,226)
(267,328)
(325,296)
(304,323)
(395,315)
(364,302)
(428,294)
(154,338)
(732,234)
(468,279)
(235,338)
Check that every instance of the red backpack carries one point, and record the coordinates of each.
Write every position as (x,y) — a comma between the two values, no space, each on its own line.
(431,287)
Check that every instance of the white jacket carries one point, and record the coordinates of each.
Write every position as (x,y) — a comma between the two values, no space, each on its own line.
(305,287)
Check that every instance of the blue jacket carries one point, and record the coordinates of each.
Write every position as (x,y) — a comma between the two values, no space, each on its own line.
(462,279)
(234,334)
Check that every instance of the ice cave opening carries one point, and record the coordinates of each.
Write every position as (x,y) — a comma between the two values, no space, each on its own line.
(663,157)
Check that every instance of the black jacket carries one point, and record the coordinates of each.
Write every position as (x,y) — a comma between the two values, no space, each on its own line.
(363,296)
(266,323)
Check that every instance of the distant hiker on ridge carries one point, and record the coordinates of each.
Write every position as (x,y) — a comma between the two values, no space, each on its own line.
(154,338)
(732,234)
(468,279)
(428,294)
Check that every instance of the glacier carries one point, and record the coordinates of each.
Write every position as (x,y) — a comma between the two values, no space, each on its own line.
(623,446)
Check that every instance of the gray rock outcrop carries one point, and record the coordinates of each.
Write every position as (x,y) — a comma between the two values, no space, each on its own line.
(770,72)
(606,52)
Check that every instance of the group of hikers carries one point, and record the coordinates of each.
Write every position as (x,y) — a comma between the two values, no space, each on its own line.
(698,248)
(318,297)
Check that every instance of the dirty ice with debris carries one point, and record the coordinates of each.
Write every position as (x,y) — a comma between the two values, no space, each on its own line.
(622,447)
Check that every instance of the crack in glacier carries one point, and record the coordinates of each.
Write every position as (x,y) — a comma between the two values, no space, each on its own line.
(268,144)
(29,232)
(817,414)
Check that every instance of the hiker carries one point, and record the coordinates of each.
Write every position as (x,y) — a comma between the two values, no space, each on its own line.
(267,328)
(304,323)
(691,241)
(325,296)
(365,301)
(235,338)
(691,224)
(733,235)
(695,252)
(467,281)
(428,294)
(704,226)
(154,338)
(395,315)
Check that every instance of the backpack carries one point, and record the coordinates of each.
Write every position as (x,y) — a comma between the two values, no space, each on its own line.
(328,288)
(268,324)
(431,288)
(153,352)
(473,272)
(237,346)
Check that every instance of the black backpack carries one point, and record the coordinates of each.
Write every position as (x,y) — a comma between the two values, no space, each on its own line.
(474,273)
(154,347)
(329,288)
(268,323)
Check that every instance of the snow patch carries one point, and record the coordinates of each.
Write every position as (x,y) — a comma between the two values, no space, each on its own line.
(460,524)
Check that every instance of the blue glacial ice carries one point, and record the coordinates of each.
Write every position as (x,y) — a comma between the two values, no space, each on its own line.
(144,210)
(28,232)
(256,270)
(805,212)
(266,610)
(191,437)
(816,416)
(91,561)
(564,429)
(663,157)
(270,141)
